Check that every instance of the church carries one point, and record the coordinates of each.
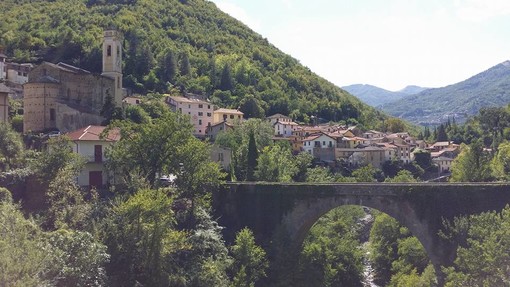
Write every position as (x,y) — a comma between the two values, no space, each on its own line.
(65,98)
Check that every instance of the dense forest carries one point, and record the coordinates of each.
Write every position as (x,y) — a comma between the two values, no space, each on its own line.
(186,45)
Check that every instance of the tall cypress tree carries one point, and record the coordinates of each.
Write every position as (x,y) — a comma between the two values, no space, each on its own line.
(226,79)
(252,158)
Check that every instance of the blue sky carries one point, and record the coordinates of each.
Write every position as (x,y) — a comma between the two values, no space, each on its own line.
(387,43)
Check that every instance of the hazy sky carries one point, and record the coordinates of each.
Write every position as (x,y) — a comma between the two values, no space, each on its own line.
(387,43)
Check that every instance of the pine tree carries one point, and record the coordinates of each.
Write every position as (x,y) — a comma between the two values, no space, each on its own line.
(226,79)
(185,65)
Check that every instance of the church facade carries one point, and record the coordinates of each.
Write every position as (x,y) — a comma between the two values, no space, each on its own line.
(65,98)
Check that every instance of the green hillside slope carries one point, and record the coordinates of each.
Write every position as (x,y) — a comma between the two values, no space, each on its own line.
(186,44)
(372,95)
(490,88)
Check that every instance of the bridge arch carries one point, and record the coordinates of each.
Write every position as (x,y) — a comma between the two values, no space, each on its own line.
(305,214)
(267,208)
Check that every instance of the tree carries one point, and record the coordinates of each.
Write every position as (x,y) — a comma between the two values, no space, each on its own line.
(500,164)
(67,207)
(237,140)
(185,65)
(402,176)
(252,158)
(422,158)
(168,67)
(11,147)
(441,134)
(78,259)
(21,236)
(250,260)
(226,81)
(480,260)
(365,174)
(251,107)
(141,237)
(275,164)
(472,164)
(151,148)
(384,247)
(331,255)
(57,156)
(319,174)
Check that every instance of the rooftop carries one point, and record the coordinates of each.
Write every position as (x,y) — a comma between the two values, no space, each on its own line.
(93,133)
(228,111)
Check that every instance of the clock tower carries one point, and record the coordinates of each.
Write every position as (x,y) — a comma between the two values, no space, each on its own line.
(112,61)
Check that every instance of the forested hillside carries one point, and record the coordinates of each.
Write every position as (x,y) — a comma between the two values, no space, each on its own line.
(184,44)
(490,88)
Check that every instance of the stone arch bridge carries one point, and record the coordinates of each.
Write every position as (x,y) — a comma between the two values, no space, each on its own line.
(270,207)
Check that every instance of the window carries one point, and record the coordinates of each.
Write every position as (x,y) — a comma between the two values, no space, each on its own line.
(231,116)
(209,114)
(98,153)
(220,156)
(109,51)
(209,106)
(52,114)
(200,122)
(189,106)
(224,117)
(200,114)
(200,106)
(118,51)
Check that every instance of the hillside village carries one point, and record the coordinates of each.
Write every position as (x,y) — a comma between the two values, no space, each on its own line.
(60,98)
(158,142)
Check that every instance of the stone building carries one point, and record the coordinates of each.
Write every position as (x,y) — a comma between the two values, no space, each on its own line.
(63,97)
(4,103)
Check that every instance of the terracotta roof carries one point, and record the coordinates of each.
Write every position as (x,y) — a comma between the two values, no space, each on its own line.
(92,133)
(229,111)
(286,123)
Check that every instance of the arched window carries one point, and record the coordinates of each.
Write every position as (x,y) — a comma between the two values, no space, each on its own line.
(109,51)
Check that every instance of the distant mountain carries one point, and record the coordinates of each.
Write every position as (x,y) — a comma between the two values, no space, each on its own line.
(461,100)
(375,96)
(412,90)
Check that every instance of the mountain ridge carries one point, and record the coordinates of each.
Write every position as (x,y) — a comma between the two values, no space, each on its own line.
(376,96)
(460,100)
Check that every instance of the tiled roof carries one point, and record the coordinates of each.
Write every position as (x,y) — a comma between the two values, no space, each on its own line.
(278,116)
(188,100)
(228,111)
(92,133)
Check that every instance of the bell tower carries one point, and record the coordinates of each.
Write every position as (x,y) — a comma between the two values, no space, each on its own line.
(112,61)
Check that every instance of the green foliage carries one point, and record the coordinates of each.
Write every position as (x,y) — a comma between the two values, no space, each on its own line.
(78,259)
(237,139)
(472,164)
(365,174)
(331,256)
(250,260)
(11,148)
(402,176)
(500,164)
(140,236)
(24,257)
(276,164)
(319,174)
(384,246)
(57,156)
(399,259)
(252,158)
(216,53)
(487,89)
(67,205)
(151,148)
(422,158)
(481,260)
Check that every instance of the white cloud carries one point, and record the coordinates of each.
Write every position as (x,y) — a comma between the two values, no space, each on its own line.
(238,13)
(481,10)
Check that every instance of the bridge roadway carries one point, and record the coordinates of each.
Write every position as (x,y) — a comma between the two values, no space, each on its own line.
(273,209)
